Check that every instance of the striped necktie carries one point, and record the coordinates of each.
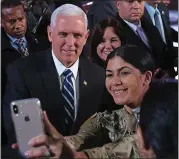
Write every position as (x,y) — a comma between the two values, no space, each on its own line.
(68,95)
(142,36)
(158,25)
(21,47)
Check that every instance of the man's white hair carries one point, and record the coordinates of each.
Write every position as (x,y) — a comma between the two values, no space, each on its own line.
(68,10)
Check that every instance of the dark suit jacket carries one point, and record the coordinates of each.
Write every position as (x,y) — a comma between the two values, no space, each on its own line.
(157,49)
(169,32)
(8,55)
(100,10)
(36,76)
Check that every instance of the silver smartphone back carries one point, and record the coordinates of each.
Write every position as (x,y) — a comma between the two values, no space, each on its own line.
(27,119)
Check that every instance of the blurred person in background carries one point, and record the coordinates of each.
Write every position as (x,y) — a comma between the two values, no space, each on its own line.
(16,41)
(157,136)
(100,10)
(140,32)
(38,14)
(166,2)
(157,14)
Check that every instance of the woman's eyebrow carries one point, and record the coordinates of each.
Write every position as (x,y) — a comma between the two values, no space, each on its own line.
(120,69)
(108,71)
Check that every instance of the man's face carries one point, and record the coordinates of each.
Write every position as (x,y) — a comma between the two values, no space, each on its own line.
(109,42)
(68,37)
(166,2)
(14,21)
(130,10)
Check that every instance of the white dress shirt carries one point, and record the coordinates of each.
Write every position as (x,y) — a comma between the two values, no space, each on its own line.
(75,80)
(136,112)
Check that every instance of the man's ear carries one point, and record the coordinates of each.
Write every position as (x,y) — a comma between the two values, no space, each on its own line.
(86,36)
(118,4)
(147,77)
(49,31)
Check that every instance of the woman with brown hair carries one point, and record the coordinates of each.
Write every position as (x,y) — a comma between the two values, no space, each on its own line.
(105,37)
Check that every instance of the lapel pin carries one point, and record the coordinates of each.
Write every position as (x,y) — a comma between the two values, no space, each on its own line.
(85,83)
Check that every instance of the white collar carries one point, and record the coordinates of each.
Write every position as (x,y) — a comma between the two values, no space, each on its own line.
(150,9)
(61,68)
(133,26)
(14,39)
(136,110)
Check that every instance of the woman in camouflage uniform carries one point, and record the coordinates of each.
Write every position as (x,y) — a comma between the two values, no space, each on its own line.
(108,134)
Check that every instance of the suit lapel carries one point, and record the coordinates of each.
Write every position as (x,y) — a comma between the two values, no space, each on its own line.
(50,79)
(131,36)
(6,46)
(32,43)
(84,80)
(83,84)
(165,24)
(147,16)
(155,41)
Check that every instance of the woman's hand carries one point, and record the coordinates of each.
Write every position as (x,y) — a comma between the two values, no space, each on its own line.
(45,145)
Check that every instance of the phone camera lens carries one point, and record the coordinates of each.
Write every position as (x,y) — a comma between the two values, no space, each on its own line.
(15,108)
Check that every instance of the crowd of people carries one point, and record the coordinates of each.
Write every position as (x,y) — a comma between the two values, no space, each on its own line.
(106,85)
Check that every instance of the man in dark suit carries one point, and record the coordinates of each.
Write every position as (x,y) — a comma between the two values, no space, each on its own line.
(14,28)
(140,32)
(153,9)
(43,76)
(100,10)
(165,17)
(166,2)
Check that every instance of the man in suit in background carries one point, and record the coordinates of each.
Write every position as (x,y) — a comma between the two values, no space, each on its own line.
(70,88)
(164,7)
(16,40)
(140,32)
(100,10)
(157,14)
(166,2)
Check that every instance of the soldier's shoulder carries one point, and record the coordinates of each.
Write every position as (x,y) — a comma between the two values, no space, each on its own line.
(111,114)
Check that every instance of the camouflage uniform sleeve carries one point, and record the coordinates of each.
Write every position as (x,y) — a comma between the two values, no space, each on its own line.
(122,135)
(100,152)
(89,131)
(124,148)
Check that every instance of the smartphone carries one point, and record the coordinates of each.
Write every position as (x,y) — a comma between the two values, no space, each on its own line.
(27,119)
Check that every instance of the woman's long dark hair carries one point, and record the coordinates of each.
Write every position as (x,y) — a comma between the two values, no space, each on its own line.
(97,35)
(135,56)
(159,118)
